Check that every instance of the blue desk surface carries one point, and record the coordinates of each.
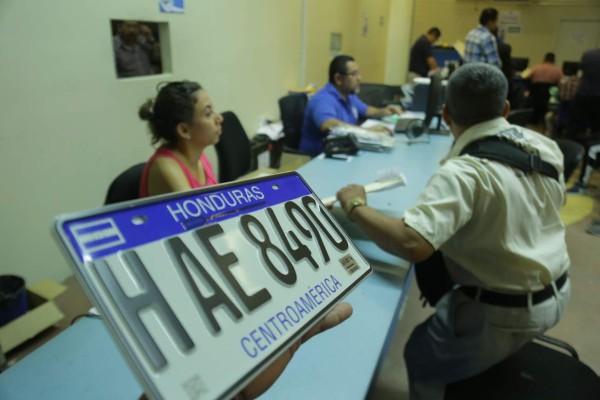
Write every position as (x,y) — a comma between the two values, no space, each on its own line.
(83,362)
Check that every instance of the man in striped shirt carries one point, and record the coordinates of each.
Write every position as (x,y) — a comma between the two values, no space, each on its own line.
(480,44)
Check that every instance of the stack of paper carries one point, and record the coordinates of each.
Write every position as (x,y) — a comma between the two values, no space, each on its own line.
(367,140)
(385,183)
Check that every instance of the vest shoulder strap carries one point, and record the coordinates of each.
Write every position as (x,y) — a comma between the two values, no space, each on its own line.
(498,149)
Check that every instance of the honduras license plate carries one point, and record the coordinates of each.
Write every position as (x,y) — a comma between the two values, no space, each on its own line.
(203,289)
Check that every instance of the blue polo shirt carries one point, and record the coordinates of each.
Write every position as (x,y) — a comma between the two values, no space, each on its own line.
(327,103)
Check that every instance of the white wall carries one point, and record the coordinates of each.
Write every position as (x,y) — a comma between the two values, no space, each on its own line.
(323,18)
(399,41)
(69,126)
(371,48)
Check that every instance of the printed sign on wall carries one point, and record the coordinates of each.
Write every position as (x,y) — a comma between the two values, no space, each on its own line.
(171,6)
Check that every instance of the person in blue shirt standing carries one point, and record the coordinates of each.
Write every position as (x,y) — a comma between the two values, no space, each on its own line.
(337,104)
(480,44)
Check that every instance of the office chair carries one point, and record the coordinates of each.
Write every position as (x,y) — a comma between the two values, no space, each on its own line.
(233,150)
(126,186)
(539,95)
(393,95)
(536,371)
(573,153)
(520,117)
(379,95)
(372,93)
(586,141)
(291,109)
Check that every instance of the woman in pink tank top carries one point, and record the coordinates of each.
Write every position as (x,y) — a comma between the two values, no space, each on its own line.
(182,120)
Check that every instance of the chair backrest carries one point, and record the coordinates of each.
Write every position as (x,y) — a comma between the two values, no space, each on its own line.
(291,108)
(534,372)
(372,93)
(539,95)
(233,149)
(392,94)
(541,91)
(520,117)
(378,94)
(126,186)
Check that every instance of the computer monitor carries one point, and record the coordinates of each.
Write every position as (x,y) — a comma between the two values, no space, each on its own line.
(421,95)
(570,68)
(434,100)
(429,98)
(415,127)
(519,64)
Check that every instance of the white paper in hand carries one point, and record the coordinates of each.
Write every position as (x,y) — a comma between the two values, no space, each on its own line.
(387,179)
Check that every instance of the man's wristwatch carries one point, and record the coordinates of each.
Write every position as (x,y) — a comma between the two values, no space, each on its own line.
(356,202)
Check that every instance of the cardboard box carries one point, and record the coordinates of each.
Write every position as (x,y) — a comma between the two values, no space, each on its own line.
(42,314)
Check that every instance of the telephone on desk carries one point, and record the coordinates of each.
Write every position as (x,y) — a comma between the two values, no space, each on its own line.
(341,145)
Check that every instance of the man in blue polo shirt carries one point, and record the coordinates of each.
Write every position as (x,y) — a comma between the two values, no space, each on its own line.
(337,104)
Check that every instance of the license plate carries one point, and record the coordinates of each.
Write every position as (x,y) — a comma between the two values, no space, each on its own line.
(203,289)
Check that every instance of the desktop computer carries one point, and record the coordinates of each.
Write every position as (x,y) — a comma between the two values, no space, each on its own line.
(430,94)
(519,64)
(420,94)
(570,68)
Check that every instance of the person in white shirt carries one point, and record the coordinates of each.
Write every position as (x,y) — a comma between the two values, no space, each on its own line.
(499,232)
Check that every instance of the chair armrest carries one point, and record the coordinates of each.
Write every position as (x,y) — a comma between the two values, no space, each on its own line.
(558,343)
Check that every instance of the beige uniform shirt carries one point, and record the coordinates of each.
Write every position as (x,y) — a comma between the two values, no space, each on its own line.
(497,227)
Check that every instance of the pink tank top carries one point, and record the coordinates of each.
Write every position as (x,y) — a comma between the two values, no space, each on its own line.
(193,182)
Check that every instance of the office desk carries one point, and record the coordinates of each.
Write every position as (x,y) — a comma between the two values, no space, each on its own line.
(84,363)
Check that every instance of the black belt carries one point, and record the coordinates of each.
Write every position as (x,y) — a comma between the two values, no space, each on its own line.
(514,300)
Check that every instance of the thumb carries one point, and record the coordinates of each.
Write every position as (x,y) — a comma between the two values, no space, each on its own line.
(336,316)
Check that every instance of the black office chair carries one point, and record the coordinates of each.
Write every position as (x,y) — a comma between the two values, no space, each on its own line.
(379,94)
(291,109)
(372,93)
(536,371)
(586,141)
(126,185)
(539,95)
(573,153)
(520,117)
(518,90)
(233,150)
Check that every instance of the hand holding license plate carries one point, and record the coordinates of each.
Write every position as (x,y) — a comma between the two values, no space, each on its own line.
(203,289)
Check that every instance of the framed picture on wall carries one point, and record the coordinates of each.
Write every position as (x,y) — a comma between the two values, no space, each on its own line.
(136,48)
(335,44)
